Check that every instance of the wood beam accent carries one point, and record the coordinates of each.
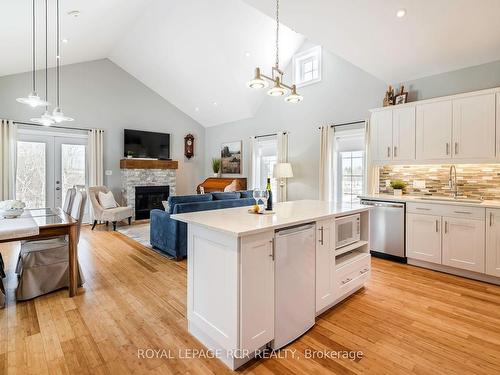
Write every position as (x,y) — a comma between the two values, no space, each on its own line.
(148,164)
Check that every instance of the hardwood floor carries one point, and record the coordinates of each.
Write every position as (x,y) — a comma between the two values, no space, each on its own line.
(406,320)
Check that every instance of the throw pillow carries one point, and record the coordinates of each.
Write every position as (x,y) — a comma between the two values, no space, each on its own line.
(232,186)
(107,200)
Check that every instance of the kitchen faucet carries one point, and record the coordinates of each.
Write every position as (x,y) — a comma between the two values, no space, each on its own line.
(452,181)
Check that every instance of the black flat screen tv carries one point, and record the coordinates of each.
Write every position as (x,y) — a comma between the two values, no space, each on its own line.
(141,144)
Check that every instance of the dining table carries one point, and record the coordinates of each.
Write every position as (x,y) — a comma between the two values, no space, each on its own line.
(51,222)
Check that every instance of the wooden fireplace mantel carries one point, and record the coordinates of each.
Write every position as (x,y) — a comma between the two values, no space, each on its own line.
(148,164)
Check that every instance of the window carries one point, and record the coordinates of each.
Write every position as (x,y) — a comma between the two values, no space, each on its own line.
(307,67)
(350,157)
(266,156)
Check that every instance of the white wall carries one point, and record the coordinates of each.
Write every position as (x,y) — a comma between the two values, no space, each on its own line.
(99,94)
(344,94)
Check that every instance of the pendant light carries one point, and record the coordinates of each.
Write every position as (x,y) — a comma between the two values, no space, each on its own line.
(57,113)
(260,80)
(33,100)
(46,118)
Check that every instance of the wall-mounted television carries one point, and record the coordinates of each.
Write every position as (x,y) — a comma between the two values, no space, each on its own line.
(141,144)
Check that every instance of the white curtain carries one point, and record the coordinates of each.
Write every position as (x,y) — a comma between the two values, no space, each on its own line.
(8,134)
(371,171)
(253,181)
(282,158)
(96,156)
(326,163)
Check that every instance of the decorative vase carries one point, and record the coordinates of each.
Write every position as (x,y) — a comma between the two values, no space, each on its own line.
(398,192)
(216,175)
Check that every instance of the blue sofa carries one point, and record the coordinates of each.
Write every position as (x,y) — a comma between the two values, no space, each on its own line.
(170,236)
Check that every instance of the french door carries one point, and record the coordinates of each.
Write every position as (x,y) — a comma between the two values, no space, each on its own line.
(48,165)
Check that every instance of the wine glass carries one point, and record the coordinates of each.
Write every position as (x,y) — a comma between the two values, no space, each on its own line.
(256,195)
(264,198)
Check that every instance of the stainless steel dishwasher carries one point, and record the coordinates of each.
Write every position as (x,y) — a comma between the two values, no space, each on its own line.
(387,229)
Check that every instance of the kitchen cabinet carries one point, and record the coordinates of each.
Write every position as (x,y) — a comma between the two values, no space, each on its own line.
(403,134)
(463,243)
(325,263)
(434,130)
(493,242)
(423,237)
(257,291)
(474,127)
(381,134)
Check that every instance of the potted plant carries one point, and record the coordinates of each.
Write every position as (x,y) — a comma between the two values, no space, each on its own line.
(398,187)
(216,166)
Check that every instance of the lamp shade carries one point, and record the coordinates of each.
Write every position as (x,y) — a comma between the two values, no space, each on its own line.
(282,170)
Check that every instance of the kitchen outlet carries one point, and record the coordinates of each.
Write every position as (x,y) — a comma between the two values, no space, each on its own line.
(387,183)
(419,184)
(108,172)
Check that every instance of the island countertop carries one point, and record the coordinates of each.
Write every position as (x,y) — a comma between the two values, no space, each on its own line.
(239,222)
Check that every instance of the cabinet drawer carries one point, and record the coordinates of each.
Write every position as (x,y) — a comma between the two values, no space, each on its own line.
(424,209)
(352,275)
(464,212)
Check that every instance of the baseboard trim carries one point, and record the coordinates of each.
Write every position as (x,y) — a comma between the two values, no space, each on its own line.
(455,271)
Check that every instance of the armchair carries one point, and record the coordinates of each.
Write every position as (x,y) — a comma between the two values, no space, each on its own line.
(110,214)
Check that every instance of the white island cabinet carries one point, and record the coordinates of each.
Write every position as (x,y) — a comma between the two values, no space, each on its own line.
(232,272)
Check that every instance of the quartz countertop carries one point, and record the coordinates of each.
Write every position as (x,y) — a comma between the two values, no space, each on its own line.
(239,222)
(433,200)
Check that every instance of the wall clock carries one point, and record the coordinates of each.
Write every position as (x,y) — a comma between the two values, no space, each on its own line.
(189,146)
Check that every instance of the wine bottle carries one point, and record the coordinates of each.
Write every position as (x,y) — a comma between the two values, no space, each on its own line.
(270,199)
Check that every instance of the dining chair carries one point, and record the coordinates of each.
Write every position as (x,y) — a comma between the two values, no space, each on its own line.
(68,200)
(43,265)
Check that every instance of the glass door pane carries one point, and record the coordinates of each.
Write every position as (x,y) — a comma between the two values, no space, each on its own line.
(31,176)
(72,167)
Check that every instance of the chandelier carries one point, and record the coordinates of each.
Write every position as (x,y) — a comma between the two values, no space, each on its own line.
(261,81)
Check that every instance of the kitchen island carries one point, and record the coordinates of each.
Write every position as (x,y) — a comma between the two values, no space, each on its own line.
(234,291)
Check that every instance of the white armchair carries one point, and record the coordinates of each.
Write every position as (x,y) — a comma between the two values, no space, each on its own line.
(107,214)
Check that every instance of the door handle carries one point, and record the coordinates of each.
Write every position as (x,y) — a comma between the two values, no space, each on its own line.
(462,212)
(447,148)
(346,281)
(422,209)
(491,219)
(58,188)
(456,148)
(321,238)
(365,270)
(445,227)
(437,226)
(272,249)
(388,152)
(395,151)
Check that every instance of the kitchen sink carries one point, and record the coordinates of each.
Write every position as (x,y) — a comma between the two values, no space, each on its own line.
(445,199)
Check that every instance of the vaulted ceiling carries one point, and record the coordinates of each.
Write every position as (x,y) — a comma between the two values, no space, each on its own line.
(198,54)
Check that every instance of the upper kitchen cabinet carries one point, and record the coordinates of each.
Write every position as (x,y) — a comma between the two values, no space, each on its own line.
(474,127)
(434,130)
(403,134)
(381,135)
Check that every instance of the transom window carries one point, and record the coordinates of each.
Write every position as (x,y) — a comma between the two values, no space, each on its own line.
(307,67)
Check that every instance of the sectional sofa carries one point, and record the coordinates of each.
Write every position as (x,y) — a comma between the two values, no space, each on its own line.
(170,236)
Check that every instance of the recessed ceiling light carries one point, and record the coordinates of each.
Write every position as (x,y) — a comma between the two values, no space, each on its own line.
(215,104)
(74,13)
(197,109)
(64,40)
(247,54)
(401,13)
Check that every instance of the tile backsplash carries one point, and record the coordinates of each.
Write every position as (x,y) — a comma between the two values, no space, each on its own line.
(474,180)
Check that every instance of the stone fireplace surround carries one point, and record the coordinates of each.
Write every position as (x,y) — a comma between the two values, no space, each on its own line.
(139,172)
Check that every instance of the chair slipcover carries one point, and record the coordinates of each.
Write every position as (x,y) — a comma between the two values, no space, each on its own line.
(43,265)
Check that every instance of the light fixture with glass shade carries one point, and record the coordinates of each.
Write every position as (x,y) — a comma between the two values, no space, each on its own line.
(45,119)
(261,81)
(57,113)
(33,100)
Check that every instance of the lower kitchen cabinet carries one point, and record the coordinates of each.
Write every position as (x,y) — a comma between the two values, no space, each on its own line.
(493,242)
(423,237)
(325,264)
(463,244)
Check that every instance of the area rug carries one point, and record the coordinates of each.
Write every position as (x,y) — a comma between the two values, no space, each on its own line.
(140,233)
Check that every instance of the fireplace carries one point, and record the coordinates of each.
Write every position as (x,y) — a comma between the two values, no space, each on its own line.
(148,198)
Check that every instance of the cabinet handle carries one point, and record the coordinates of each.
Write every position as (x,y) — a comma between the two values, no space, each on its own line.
(272,249)
(437,226)
(346,281)
(365,270)
(463,212)
(395,151)
(422,209)
(491,219)
(456,148)
(445,227)
(321,238)
(388,152)
(447,148)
